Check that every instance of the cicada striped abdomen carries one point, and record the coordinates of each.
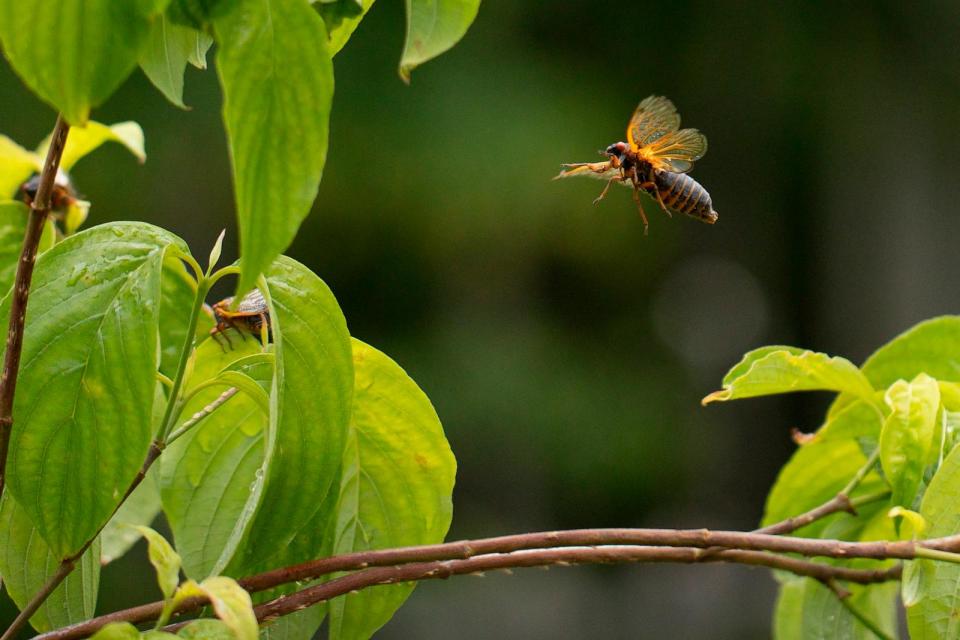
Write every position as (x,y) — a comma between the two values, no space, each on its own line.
(681,193)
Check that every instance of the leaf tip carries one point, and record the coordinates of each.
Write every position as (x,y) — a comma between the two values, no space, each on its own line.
(717,396)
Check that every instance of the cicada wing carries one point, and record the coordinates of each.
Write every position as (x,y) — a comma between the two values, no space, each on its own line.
(676,151)
(654,117)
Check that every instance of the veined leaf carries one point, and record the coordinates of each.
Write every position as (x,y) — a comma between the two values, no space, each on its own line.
(27,563)
(933,597)
(857,420)
(13,225)
(208,629)
(170,47)
(207,473)
(74,53)
(16,165)
(398,475)
(82,416)
(433,26)
(311,402)
(767,371)
(277,80)
(907,435)
(930,347)
(82,140)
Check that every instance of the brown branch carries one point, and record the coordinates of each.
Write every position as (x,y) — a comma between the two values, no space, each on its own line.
(504,549)
(549,557)
(39,210)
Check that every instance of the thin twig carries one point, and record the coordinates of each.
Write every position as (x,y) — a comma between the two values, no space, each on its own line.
(39,210)
(202,413)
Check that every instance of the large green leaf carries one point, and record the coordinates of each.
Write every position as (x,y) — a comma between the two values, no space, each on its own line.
(27,563)
(13,225)
(74,53)
(16,165)
(433,26)
(207,473)
(82,416)
(907,435)
(932,605)
(170,47)
(931,347)
(770,370)
(858,420)
(311,404)
(398,475)
(277,80)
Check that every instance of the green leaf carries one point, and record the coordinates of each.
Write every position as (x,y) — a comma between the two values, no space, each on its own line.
(311,400)
(398,475)
(207,473)
(933,598)
(815,473)
(16,165)
(27,563)
(433,26)
(277,80)
(141,508)
(170,47)
(230,602)
(859,420)
(342,19)
(73,53)
(766,371)
(82,141)
(931,347)
(164,559)
(83,411)
(117,631)
(907,435)
(206,629)
(13,226)
(807,610)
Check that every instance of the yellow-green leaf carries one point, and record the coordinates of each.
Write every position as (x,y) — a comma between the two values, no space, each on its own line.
(770,371)
(907,435)
(164,560)
(117,631)
(84,140)
(16,165)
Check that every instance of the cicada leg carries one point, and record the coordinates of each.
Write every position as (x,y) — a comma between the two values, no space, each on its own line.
(651,188)
(603,194)
(218,333)
(636,199)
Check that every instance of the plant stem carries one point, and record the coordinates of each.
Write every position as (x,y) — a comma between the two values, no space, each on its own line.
(39,210)
(202,413)
(173,400)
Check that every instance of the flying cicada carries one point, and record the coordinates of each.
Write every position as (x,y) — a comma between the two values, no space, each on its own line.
(655,159)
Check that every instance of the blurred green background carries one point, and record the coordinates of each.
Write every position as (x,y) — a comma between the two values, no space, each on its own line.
(565,352)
